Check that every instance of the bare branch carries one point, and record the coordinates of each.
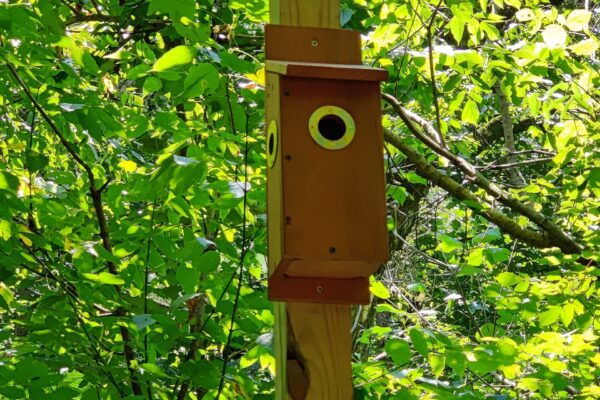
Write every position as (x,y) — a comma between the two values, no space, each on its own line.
(517,164)
(514,174)
(553,235)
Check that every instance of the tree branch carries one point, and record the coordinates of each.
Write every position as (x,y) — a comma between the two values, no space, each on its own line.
(516,179)
(552,236)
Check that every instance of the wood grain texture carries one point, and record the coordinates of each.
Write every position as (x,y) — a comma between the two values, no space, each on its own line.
(319,290)
(318,45)
(280,336)
(320,333)
(334,208)
(318,13)
(274,177)
(350,72)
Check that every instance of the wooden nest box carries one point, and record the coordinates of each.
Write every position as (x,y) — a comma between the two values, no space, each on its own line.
(325,182)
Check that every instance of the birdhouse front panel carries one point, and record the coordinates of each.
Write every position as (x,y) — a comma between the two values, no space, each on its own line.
(333,183)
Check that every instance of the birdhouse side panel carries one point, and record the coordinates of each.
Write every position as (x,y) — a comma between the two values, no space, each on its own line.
(274,173)
(334,199)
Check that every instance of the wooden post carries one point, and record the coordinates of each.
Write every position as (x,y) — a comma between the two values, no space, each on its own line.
(313,342)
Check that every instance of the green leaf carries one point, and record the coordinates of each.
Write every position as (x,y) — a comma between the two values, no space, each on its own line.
(175,8)
(585,47)
(5,229)
(201,78)
(566,316)
(549,316)
(462,14)
(8,181)
(379,290)
(142,321)
(398,350)
(233,62)
(448,244)
(155,370)
(419,341)
(105,278)
(470,113)
(152,84)
(138,71)
(457,361)
(413,177)
(208,262)
(475,257)
(437,362)
(177,56)
(188,277)
(6,295)
(508,279)
(36,161)
(578,20)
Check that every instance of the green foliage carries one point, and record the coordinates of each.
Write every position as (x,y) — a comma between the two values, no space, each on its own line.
(132,202)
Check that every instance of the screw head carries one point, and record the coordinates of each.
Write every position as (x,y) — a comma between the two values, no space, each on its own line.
(314,43)
(319,289)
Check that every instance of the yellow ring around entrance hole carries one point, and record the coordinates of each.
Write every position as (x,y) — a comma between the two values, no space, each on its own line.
(319,114)
(272,150)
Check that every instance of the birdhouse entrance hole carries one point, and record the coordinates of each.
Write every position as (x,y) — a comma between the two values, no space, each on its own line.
(331,127)
(272,144)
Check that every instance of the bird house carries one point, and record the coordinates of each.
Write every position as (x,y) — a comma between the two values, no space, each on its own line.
(325,178)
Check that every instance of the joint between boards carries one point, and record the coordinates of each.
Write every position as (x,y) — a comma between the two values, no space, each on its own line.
(298,379)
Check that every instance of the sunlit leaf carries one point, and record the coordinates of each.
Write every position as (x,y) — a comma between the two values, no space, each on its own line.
(105,278)
(586,47)
(577,20)
(554,36)
(177,56)
(379,290)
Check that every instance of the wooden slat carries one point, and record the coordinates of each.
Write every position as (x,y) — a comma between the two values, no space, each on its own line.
(327,71)
(319,290)
(318,45)
(321,337)
(318,13)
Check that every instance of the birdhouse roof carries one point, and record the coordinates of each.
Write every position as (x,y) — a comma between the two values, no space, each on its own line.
(351,72)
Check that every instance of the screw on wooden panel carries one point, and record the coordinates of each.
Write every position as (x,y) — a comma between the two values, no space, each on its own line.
(319,289)
(314,43)
(286,93)
(288,220)
(287,157)
(332,250)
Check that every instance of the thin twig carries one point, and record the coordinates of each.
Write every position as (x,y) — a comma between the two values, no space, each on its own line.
(227,348)
(434,90)
(517,164)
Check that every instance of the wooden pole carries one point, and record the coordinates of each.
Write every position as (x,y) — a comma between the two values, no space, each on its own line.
(313,342)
